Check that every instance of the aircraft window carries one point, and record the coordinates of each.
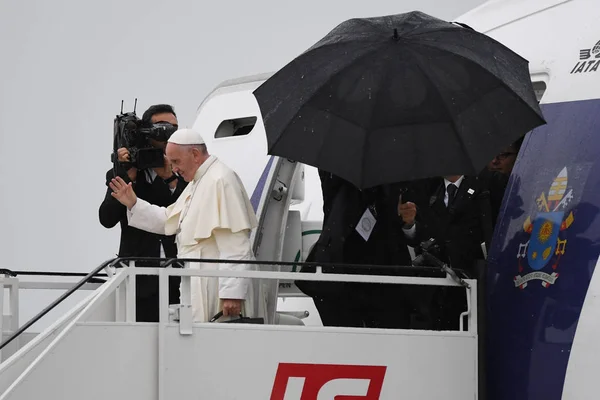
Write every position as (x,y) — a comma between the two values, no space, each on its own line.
(235,127)
(539,88)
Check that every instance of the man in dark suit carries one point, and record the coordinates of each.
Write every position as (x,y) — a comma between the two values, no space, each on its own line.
(459,212)
(159,186)
(504,161)
(358,304)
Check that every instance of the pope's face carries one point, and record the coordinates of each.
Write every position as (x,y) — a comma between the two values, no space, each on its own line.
(184,160)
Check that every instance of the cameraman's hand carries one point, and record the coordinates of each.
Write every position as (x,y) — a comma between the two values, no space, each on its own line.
(123,156)
(123,192)
(132,173)
(408,212)
(165,172)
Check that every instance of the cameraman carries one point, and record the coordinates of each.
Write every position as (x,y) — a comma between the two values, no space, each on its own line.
(159,186)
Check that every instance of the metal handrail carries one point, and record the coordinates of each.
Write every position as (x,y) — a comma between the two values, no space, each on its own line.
(45,273)
(56,302)
(168,262)
(408,269)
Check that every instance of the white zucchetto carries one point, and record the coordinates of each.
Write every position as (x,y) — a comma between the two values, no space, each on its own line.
(186,136)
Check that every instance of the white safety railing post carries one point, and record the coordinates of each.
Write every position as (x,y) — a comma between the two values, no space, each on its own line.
(130,293)
(14,306)
(185,311)
(3,282)
(121,303)
(163,319)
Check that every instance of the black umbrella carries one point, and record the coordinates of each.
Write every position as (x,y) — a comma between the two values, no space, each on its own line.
(397,98)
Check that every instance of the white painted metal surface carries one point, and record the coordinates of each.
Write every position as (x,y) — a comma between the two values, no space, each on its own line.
(583,368)
(550,34)
(230,361)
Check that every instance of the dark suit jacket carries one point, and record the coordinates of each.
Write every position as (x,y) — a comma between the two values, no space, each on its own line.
(495,184)
(460,229)
(135,242)
(343,207)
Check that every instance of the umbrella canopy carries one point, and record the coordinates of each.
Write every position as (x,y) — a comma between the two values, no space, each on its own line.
(397,98)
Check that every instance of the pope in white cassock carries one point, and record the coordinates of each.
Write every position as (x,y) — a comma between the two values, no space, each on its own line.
(212,218)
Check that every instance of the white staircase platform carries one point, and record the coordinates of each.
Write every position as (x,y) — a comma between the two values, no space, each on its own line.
(96,352)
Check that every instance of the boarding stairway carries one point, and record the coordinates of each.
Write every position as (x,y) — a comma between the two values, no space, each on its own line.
(97,351)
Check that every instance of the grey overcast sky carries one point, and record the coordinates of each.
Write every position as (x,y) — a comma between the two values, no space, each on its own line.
(66,65)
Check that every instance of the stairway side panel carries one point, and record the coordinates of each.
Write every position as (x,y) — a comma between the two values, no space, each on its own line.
(96,362)
(223,361)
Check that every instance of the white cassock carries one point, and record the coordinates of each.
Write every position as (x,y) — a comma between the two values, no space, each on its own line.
(212,219)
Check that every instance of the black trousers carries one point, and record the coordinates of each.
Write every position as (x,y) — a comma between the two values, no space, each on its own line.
(368,305)
(437,308)
(146,302)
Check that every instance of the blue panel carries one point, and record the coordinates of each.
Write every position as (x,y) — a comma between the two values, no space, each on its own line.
(543,255)
(260,186)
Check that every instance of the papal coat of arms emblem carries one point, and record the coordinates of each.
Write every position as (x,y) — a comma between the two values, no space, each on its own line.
(545,246)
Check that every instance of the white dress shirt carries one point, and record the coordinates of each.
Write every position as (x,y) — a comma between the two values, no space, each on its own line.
(446,183)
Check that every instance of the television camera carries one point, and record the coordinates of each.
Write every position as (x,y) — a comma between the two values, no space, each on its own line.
(130,132)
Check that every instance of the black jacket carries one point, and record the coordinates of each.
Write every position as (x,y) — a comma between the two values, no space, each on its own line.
(459,229)
(339,242)
(135,242)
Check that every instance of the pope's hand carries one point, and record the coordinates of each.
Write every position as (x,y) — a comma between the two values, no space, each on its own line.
(232,307)
(123,192)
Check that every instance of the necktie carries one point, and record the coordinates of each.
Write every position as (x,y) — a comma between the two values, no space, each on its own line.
(451,189)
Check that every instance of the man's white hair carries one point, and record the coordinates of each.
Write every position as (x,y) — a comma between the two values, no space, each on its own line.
(201,147)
